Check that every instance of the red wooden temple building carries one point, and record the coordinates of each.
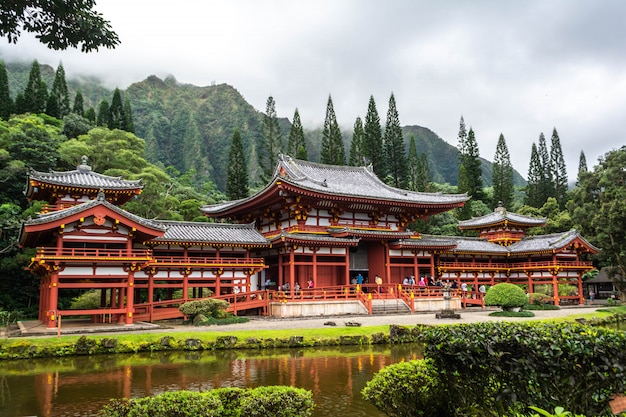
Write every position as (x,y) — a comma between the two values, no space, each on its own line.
(313,227)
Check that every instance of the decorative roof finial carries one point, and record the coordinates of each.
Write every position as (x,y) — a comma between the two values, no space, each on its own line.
(83,165)
(101,196)
(500,209)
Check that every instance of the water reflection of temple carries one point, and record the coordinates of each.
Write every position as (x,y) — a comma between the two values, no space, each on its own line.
(335,378)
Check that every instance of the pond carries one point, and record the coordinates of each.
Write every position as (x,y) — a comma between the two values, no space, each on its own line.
(80,386)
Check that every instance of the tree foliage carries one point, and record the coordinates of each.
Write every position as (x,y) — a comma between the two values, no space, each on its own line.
(333,151)
(395,158)
(6,102)
(357,144)
(58,24)
(272,143)
(237,175)
(373,140)
(598,208)
(296,145)
(502,175)
(559,170)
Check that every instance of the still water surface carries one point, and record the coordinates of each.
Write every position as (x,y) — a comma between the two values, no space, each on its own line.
(80,386)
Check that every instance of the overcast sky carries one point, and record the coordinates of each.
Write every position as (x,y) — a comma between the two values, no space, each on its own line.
(513,67)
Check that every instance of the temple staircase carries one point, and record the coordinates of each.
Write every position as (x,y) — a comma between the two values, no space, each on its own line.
(390,306)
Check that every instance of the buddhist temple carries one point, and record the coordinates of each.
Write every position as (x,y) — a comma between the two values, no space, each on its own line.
(311,242)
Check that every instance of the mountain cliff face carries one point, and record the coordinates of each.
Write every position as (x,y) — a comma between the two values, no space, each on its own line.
(190,128)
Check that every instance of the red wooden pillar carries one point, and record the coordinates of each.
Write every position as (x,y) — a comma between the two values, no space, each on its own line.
(53,300)
(315,267)
(581,298)
(120,302)
(292,272)
(387,263)
(346,280)
(130,298)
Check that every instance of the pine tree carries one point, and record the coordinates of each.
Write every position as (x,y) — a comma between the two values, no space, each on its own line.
(582,166)
(90,114)
(59,89)
(35,93)
(79,107)
(271,140)
(296,145)
(333,151)
(6,103)
(373,140)
(127,117)
(19,106)
(533,186)
(413,165)
(559,173)
(547,185)
(394,147)
(102,118)
(52,106)
(116,111)
(237,175)
(423,181)
(470,180)
(502,175)
(357,155)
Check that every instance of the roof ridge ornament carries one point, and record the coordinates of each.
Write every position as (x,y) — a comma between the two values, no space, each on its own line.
(83,166)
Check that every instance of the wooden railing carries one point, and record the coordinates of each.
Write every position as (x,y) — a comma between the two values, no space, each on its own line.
(513,265)
(82,254)
(208,261)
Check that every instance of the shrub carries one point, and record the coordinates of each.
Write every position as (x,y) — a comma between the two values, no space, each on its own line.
(269,401)
(505,295)
(406,389)
(209,307)
(277,401)
(504,367)
(86,301)
(538,299)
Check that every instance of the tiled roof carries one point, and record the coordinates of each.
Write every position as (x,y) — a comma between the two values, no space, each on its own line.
(202,232)
(352,181)
(474,244)
(100,201)
(427,241)
(340,181)
(315,238)
(393,234)
(83,176)
(499,216)
(547,242)
(531,244)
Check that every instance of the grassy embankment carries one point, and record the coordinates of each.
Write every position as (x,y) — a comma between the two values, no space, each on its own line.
(15,348)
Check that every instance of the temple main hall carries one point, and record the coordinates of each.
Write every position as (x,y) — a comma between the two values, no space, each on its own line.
(316,240)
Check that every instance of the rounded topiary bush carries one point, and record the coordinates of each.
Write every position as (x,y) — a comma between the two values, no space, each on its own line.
(411,388)
(505,295)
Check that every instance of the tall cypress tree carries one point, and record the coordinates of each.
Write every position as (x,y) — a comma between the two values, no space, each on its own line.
(502,175)
(394,147)
(127,117)
(533,186)
(271,140)
(470,180)
(237,175)
(547,185)
(333,151)
(52,106)
(35,93)
(296,145)
(59,89)
(79,106)
(357,154)
(116,111)
(559,171)
(6,103)
(423,182)
(582,166)
(102,118)
(373,143)
(413,165)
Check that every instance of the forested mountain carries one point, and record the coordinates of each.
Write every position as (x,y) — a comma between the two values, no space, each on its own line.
(190,128)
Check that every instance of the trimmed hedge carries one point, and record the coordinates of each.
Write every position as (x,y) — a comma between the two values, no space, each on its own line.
(505,295)
(507,366)
(269,401)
